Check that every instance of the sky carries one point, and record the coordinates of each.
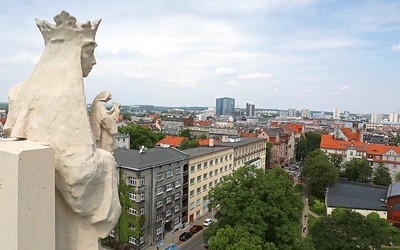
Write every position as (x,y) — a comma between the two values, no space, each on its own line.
(302,54)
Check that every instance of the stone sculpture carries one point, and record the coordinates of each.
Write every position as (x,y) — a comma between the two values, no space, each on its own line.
(87,203)
(104,123)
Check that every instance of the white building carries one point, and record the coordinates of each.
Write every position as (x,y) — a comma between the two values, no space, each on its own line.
(305,113)
(336,113)
(376,118)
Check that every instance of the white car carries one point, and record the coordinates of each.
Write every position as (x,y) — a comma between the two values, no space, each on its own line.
(208,222)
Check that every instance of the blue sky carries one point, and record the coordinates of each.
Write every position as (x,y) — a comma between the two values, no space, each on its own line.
(281,54)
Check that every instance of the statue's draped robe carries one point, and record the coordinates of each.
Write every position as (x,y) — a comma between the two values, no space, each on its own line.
(50,107)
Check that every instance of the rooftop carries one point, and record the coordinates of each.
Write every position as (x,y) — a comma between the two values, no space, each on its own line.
(195,152)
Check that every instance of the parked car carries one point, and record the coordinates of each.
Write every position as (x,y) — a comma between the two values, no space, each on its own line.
(208,222)
(185,236)
(196,228)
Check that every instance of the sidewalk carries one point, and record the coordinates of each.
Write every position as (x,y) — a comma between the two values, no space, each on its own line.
(170,240)
(306,211)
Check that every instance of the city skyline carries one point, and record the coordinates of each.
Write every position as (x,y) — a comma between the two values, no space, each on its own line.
(303,54)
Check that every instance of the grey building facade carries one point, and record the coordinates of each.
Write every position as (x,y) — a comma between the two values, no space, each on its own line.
(157,176)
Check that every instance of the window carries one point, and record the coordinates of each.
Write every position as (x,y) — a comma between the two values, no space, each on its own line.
(177,184)
(169,187)
(159,176)
(168,213)
(198,190)
(205,164)
(197,213)
(141,240)
(132,240)
(210,185)
(199,166)
(132,196)
(158,231)
(177,220)
(132,211)
(168,200)
(226,157)
(142,210)
(132,226)
(199,178)
(159,204)
(159,191)
(192,181)
(142,196)
(169,173)
(230,166)
(205,176)
(191,205)
(226,168)
(159,217)
(192,169)
(230,156)
(378,157)
(112,233)
(215,182)
(132,181)
(177,196)
(221,159)
(211,163)
(216,161)
(210,174)
(204,187)
(221,170)
(177,170)
(191,193)
(216,171)
(198,202)
(176,209)
(142,181)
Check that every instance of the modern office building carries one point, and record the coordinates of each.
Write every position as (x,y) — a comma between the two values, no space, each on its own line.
(159,181)
(292,113)
(250,109)
(305,113)
(224,106)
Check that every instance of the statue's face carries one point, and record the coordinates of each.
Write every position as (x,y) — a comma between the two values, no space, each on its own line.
(87,58)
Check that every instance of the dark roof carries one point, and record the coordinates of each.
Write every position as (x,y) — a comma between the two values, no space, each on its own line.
(119,135)
(242,142)
(356,196)
(153,157)
(394,190)
(194,152)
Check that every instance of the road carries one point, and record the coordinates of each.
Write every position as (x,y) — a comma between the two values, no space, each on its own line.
(194,243)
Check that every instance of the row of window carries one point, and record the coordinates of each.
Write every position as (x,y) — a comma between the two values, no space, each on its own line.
(210,174)
(168,187)
(133,181)
(168,213)
(209,163)
(250,150)
(198,190)
(198,203)
(134,196)
(167,200)
(133,211)
(167,174)
(135,241)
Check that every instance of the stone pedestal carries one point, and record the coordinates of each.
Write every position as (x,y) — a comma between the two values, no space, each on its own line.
(27,196)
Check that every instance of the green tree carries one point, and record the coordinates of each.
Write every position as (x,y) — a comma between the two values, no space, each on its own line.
(127,116)
(307,144)
(261,203)
(203,136)
(347,230)
(139,136)
(160,136)
(185,133)
(337,161)
(357,170)
(318,172)
(186,144)
(382,176)
(268,157)
(228,238)
(397,178)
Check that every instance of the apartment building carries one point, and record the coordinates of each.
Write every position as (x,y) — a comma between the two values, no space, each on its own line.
(375,154)
(158,177)
(247,151)
(207,167)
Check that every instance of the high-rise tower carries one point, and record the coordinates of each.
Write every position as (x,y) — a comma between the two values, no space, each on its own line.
(224,106)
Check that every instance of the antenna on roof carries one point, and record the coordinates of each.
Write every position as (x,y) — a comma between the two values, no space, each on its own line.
(142,149)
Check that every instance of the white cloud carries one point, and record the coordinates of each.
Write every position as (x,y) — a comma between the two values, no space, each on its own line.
(255,75)
(232,83)
(24,57)
(396,47)
(224,71)
(344,88)
(183,83)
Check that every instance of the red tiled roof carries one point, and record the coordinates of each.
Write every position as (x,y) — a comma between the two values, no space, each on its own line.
(351,136)
(206,142)
(202,123)
(249,135)
(171,140)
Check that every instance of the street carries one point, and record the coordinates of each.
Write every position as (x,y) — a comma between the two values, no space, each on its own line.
(194,243)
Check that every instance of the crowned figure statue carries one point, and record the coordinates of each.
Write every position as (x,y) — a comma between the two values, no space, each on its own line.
(50,107)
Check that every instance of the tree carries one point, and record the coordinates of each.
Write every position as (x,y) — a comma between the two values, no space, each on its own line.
(139,136)
(203,136)
(307,144)
(318,172)
(185,133)
(160,136)
(228,238)
(186,144)
(397,178)
(259,202)
(357,170)
(337,161)
(127,116)
(382,176)
(347,230)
